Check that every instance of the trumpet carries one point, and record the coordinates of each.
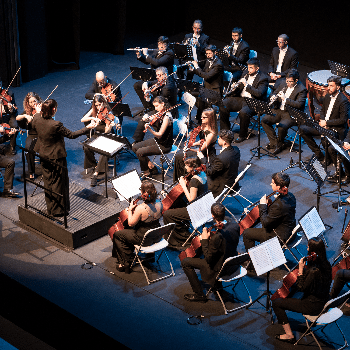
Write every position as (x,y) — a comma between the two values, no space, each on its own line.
(191,41)
(227,49)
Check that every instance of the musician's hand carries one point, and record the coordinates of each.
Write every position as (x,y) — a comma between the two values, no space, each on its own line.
(346,145)
(146,118)
(38,107)
(322,123)
(205,234)
(182,182)
(273,76)
(147,126)
(263,199)
(29,118)
(200,155)
(92,124)
(2,129)
(243,81)
(145,51)
(132,205)
(13,131)
(278,76)
(10,106)
(195,64)
(302,264)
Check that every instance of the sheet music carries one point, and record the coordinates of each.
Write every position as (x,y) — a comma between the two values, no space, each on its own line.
(320,169)
(267,256)
(339,149)
(312,224)
(200,210)
(106,144)
(127,185)
(189,99)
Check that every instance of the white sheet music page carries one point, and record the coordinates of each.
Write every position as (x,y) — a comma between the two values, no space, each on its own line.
(200,210)
(106,144)
(267,256)
(312,224)
(127,185)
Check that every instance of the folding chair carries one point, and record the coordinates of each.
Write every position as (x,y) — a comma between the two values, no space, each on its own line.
(232,278)
(153,242)
(291,243)
(331,313)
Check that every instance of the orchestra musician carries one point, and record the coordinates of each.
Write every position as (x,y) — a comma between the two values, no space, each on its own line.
(31,105)
(199,41)
(206,143)
(216,247)
(314,280)
(193,184)
(253,85)
(344,173)
(50,145)
(222,169)
(342,277)
(7,163)
(164,86)
(99,107)
(292,93)
(238,53)
(104,84)
(212,73)
(334,115)
(283,58)
(161,127)
(277,218)
(141,218)
(8,113)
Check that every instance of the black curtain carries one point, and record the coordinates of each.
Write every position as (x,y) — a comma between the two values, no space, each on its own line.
(9,53)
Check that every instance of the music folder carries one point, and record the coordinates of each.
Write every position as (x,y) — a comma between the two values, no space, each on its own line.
(200,210)
(312,223)
(104,144)
(127,185)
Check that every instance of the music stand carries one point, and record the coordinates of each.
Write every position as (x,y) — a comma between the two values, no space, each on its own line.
(182,52)
(339,69)
(260,108)
(223,57)
(344,154)
(266,257)
(144,74)
(188,85)
(105,145)
(127,186)
(210,96)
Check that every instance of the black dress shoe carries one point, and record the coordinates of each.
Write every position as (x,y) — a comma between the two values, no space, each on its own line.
(196,297)
(288,340)
(240,139)
(277,150)
(93,181)
(10,194)
(154,171)
(270,146)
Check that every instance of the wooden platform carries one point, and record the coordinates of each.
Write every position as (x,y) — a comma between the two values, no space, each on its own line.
(90,217)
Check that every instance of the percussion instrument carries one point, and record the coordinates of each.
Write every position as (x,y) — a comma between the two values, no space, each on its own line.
(316,85)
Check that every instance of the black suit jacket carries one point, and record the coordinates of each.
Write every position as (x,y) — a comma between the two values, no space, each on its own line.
(203,42)
(169,90)
(279,216)
(291,60)
(96,89)
(340,114)
(296,99)
(241,55)
(51,134)
(223,170)
(164,59)
(213,75)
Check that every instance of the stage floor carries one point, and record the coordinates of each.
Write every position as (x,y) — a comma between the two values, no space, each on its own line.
(123,307)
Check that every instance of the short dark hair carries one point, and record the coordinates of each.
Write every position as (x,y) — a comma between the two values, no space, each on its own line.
(148,191)
(48,108)
(237,30)
(335,79)
(211,48)
(162,99)
(218,211)
(254,61)
(163,39)
(293,73)
(281,179)
(226,135)
(285,37)
(193,162)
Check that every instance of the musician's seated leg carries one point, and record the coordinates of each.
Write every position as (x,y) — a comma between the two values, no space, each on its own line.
(123,244)
(244,119)
(341,278)
(307,133)
(139,131)
(140,94)
(201,106)
(89,159)
(252,235)
(178,216)
(267,123)
(286,122)
(230,104)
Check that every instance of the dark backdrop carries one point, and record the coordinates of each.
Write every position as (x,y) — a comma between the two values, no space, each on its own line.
(50,34)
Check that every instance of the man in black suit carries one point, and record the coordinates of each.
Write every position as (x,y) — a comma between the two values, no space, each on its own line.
(334,115)
(238,53)
(8,164)
(197,40)
(283,58)
(223,169)
(212,73)
(277,218)
(289,93)
(216,247)
(253,85)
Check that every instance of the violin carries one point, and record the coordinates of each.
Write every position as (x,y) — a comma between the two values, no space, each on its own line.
(193,135)
(107,90)
(122,221)
(103,116)
(6,127)
(194,249)
(6,98)
(290,279)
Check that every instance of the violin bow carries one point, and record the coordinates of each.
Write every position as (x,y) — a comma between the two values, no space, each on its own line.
(51,93)
(13,78)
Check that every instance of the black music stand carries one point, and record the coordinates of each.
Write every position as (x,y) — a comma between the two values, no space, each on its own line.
(144,74)
(114,146)
(182,52)
(260,108)
(188,85)
(209,96)
(339,69)
(222,54)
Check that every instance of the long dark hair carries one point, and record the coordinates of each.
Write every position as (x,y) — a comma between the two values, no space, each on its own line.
(316,245)
(26,106)
(99,98)
(148,192)
(48,109)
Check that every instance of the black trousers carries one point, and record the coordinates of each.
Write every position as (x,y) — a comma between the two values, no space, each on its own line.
(147,148)
(252,235)
(141,95)
(285,122)
(139,133)
(90,161)
(9,165)
(56,179)
(341,278)
(123,244)
(304,306)
(30,142)
(235,104)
